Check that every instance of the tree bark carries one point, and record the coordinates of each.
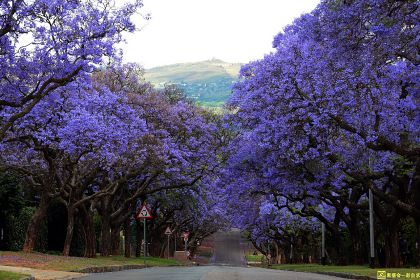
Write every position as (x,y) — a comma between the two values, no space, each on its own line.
(70,228)
(127,238)
(392,251)
(338,241)
(357,246)
(115,241)
(89,231)
(32,230)
(106,236)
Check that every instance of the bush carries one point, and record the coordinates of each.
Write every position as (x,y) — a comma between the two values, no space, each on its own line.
(15,231)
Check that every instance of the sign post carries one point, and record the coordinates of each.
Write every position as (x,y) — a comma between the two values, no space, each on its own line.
(144,214)
(144,240)
(168,233)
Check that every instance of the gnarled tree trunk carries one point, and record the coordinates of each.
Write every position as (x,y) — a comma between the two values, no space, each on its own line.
(70,228)
(106,236)
(32,230)
(357,246)
(392,251)
(89,231)
(115,241)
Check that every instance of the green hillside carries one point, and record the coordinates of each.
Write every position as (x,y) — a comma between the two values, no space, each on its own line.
(208,82)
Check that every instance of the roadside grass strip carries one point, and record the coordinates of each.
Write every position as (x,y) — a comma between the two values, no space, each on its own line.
(61,263)
(391,273)
(5,275)
(254,258)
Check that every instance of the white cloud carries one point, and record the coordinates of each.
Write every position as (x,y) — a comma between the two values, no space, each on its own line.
(194,30)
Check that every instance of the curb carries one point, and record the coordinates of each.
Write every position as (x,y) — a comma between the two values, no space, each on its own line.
(346,275)
(28,278)
(112,268)
(336,274)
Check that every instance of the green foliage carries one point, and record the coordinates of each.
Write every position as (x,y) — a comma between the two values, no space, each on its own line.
(409,235)
(11,195)
(174,94)
(15,231)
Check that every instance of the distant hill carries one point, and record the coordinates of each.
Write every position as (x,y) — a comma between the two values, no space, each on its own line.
(208,82)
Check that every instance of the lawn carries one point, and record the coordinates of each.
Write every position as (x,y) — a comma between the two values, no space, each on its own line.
(254,258)
(5,275)
(44,261)
(351,269)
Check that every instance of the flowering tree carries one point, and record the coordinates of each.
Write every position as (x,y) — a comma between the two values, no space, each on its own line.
(47,45)
(333,111)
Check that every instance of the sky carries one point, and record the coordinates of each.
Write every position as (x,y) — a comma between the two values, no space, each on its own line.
(182,31)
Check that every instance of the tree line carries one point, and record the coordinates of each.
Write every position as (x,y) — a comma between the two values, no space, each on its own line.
(81,129)
(329,115)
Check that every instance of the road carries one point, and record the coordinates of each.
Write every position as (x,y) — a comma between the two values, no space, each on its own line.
(228,263)
(228,250)
(207,273)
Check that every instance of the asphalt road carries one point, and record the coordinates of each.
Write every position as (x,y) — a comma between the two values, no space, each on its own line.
(228,263)
(228,250)
(207,273)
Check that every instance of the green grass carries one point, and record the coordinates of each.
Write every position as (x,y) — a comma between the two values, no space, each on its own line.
(254,258)
(5,275)
(54,262)
(351,269)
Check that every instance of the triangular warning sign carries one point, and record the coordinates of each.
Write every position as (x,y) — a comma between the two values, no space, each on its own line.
(144,213)
(168,231)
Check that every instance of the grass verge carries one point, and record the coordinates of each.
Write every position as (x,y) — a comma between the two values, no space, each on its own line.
(53,262)
(350,269)
(254,258)
(5,275)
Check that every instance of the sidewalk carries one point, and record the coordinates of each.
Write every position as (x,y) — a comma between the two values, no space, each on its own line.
(40,274)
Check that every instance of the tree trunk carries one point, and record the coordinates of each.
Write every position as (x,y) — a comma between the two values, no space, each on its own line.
(418,244)
(341,259)
(357,246)
(276,260)
(392,251)
(106,236)
(70,228)
(32,230)
(115,241)
(353,226)
(127,238)
(89,231)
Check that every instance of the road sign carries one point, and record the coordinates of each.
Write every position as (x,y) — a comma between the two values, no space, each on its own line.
(168,231)
(185,234)
(144,213)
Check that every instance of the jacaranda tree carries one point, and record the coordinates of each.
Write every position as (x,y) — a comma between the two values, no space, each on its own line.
(333,112)
(46,45)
